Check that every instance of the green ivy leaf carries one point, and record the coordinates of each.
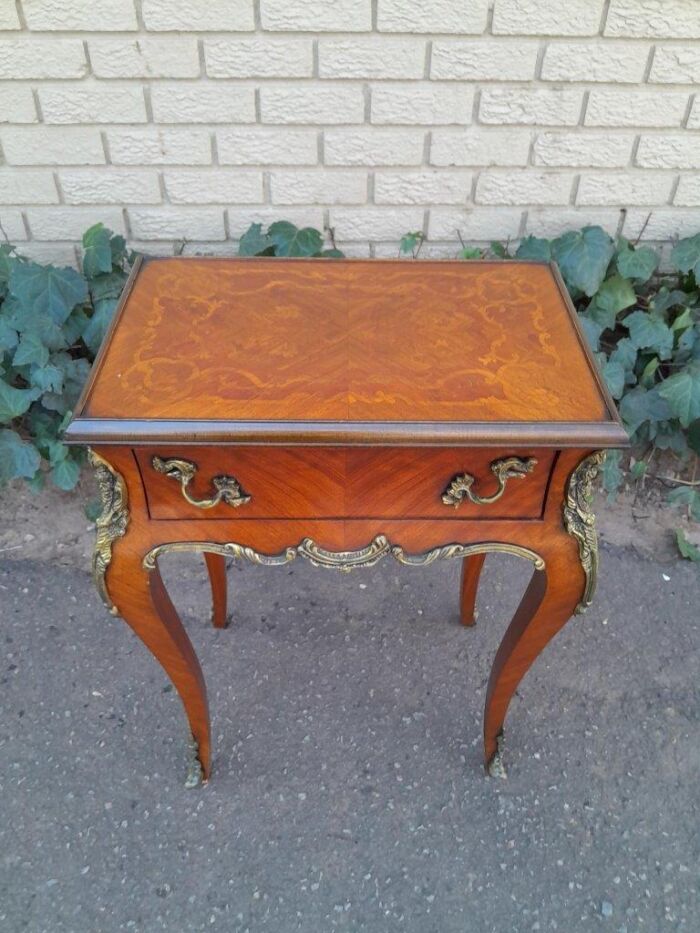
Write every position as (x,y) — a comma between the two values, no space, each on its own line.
(685,547)
(18,458)
(410,242)
(638,264)
(694,436)
(47,378)
(470,252)
(611,473)
(118,247)
(66,473)
(648,375)
(685,255)
(614,295)
(8,336)
(583,257)
(97,256)
(499,249)
(614,375)
(682,392)
(331,254)
(15,402)
(650,331)
(46,290)
(592,330)
(625,353)
(107,286)
(688,497)
(93,510)
(6,261)
(75,325)
(667,298)
(31,349)
(96,327)
(290,241)
(533,247)
(253,242)
(640,405)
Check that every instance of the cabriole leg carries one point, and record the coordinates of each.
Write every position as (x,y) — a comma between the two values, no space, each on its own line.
(471,572)
(216,568)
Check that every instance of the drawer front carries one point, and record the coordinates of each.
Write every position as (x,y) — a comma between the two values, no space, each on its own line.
(260,482)
(454,482)
(336,482)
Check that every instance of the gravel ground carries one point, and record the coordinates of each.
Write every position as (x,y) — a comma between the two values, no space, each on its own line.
(348,792)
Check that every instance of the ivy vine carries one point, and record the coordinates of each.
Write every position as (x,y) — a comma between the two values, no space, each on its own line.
(641,320)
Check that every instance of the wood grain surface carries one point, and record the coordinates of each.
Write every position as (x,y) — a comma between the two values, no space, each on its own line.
(344,482)
(350,342)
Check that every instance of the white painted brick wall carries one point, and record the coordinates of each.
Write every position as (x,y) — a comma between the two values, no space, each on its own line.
(676,64)
(318,187)
(131,57)
(109,186)
(422,104)
(378,57)
(17,104)
(480,146)
(177,120)
(199,15)
(213,186)
(631,188)
(202,102)
(96,103)
(663,19)
(79,15)
(612,62)
(316,15)
(547,17)
(322,103)
(636,108)
(485,60)
(456,16)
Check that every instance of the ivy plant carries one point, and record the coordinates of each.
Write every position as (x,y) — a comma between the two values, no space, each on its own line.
(52,321)
(643,325)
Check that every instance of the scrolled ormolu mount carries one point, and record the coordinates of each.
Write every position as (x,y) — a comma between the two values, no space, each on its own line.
(345,561)
(228,489)
(503,470)
(579,521)
(111,523)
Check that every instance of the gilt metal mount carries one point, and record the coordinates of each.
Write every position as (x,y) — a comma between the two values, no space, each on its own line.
(111,523)
(461,486)
(345,561)
(579,521)
(227,488)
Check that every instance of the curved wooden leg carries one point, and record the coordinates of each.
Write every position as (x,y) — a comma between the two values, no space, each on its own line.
(216,567)
(471,572)
(143,602)
(550,599)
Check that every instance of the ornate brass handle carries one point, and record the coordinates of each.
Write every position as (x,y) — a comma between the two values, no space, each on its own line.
(503,470)
(227,488)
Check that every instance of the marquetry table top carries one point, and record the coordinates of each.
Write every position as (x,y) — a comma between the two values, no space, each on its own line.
(346,351)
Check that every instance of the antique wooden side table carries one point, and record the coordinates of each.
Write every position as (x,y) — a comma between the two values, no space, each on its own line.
(343,412)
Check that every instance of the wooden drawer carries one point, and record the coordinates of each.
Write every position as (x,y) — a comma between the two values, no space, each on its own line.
(336,482)
(411,482)
(282,482)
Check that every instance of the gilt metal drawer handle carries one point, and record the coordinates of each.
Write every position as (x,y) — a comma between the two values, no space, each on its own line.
(227,488)
(503,470)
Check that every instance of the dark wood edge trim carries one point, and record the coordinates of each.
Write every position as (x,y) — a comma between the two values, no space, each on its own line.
(354,260)
(583,343)
(102,352)
(555,434)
